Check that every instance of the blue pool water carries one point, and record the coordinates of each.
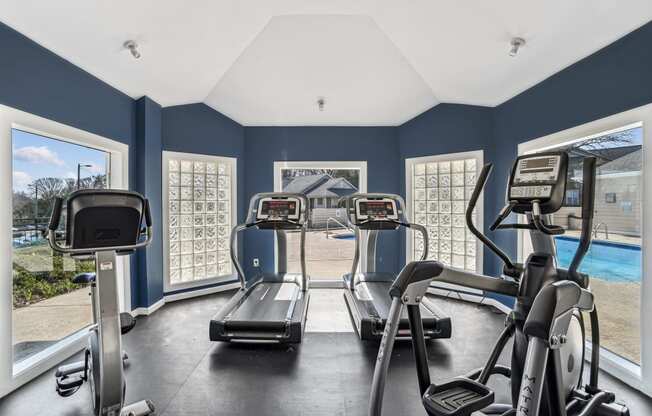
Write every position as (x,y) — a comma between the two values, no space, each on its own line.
(607,261)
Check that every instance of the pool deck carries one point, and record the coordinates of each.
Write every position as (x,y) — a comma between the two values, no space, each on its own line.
(613,237)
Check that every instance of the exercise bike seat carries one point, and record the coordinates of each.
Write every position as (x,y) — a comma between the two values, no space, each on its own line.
(127,322)
(84,278)
(458,397)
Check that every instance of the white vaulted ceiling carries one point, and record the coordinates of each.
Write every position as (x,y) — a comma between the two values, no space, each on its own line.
(376,62)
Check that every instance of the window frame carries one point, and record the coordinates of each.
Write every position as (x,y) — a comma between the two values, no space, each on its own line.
(478,155)
(360,165)
(13,376)
(639,377)
(232,162)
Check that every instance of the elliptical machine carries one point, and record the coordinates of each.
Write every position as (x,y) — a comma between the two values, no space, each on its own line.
(546,322)
(102,224)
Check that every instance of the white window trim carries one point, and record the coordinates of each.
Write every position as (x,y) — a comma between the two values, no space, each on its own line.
(478,155)
(360,165)
(639,377)
(12,377)
(233,164)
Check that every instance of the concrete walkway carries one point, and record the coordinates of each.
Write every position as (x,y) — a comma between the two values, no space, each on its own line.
(53,319)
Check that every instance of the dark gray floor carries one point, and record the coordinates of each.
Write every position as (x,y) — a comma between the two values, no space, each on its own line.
(174,364)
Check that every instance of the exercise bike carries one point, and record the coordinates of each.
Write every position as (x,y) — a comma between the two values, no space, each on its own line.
(546,322)
(102,224)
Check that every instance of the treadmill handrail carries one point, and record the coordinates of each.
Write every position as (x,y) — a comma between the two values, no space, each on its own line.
(238,266)
(356,253)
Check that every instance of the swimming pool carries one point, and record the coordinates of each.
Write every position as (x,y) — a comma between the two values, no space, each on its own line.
(344,236)
(605,260)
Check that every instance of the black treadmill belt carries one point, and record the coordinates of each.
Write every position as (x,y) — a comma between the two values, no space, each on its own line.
(374,297)
(267,302)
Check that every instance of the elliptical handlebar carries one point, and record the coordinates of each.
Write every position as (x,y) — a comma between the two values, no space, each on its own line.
(588,183)
(510,268)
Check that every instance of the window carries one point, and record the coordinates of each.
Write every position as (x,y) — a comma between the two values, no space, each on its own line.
(47,306)
(46,317)
(329,243)
(199,212)
(438,190)
(616,260)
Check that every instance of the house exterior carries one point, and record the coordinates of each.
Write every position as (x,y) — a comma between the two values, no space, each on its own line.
(618,193)
(323,191)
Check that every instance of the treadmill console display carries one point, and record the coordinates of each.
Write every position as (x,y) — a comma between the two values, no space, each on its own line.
(376,209)
(535,177)
(275,209)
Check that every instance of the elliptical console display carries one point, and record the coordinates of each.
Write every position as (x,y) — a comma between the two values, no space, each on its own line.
(540,177)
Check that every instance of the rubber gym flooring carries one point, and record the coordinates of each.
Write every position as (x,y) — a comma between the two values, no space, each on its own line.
(173,363)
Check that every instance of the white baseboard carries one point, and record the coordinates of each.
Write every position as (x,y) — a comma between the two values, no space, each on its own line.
(145,311)
(201,292)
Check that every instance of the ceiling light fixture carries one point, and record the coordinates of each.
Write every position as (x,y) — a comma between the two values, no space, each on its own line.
(321,102)
(516,45)
(132,47)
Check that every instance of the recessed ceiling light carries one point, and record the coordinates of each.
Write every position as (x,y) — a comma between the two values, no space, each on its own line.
(516,44)
(132,47)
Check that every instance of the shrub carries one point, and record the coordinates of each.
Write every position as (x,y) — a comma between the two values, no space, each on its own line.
(31,287)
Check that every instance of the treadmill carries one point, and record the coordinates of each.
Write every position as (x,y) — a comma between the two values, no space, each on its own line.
(367,292)
(268,306)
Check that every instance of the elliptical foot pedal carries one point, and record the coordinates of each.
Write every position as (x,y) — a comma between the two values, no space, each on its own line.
(458,397)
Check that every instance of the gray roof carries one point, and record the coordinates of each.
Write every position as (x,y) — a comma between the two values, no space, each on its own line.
(632,161)
(320,186)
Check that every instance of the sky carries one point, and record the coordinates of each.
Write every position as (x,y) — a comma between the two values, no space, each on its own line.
(36,156)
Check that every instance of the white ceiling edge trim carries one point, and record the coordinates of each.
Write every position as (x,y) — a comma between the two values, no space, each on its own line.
(563,67)
(62,56)
(326,123)
(440,100)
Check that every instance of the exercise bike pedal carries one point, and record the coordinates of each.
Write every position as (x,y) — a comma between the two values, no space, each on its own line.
(458,397)
(67,385)
(70,369)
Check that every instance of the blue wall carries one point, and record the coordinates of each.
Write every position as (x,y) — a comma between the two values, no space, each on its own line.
(197,128)
(33,79)
(37,81)
(445,128)
(149,287)
(265,145)
(615,79)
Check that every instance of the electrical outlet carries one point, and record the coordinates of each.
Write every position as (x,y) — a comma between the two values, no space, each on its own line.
(256,263)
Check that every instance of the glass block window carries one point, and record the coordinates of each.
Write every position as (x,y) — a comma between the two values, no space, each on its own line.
(439,194)
(199,217)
